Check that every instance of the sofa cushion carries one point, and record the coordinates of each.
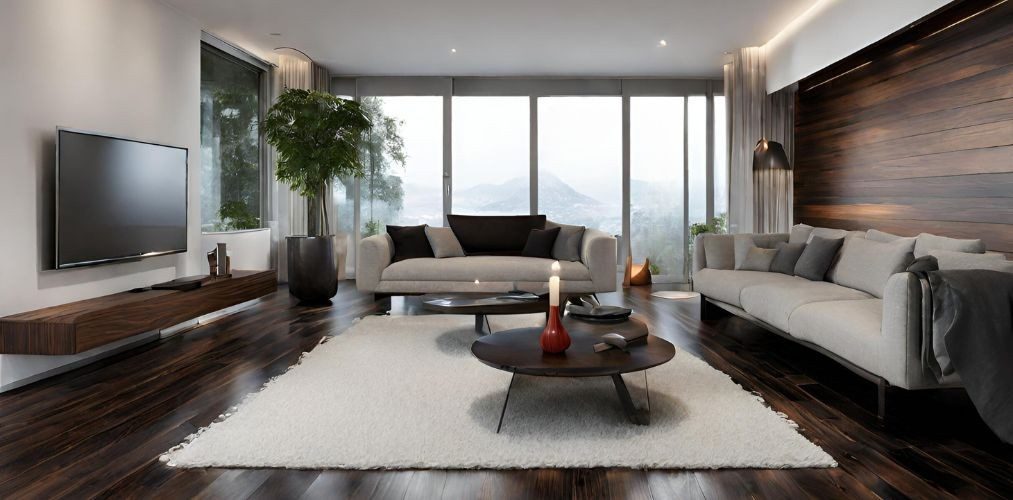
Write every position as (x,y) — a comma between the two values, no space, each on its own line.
(928,242)
(744,242)
(759,259)
(726,285)
(719,251)
(877,235)
(962,260)
(817,257)
(410,242)
(483,268)
(774,302)
(443,242)
(494,234)
(850,329)
(540,243)
(568,242)
(826,233)
(787,256)
(866,265)
(800,233)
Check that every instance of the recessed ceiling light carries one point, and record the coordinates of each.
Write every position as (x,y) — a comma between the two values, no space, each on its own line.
(274,34)
(453,51)
(662,44)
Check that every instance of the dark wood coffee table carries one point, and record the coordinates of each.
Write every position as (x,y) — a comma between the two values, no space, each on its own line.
(482,305)
(518,351)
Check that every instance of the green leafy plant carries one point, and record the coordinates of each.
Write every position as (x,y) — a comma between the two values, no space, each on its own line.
(236,216)
(655,269)
(717,225)
(317,137)
(372,228)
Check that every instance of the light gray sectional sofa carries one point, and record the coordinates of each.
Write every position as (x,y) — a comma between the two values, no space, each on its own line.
(866,314)
(375,273)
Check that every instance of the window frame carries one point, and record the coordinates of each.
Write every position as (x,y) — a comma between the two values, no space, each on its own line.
(265,72)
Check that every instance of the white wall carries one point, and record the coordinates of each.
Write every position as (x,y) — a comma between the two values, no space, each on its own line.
(834,29)
(124,67)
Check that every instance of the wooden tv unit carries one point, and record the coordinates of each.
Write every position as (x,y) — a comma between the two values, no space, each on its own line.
(87,324)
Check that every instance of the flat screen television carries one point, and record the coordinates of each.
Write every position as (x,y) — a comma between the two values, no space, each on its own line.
(117,199)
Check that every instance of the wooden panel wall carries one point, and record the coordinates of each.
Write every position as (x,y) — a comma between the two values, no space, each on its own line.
(915,133)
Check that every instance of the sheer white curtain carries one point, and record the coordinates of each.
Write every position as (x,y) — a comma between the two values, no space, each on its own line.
(745,93)
(758,201)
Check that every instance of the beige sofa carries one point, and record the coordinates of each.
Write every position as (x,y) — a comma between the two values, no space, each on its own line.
(877,333)
(374,272)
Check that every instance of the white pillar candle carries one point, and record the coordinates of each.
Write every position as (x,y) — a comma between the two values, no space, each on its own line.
(554,285)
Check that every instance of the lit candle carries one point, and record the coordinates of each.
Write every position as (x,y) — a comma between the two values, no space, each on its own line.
(554,285)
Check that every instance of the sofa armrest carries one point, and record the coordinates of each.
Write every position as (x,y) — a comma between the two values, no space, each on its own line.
(375,254)
(598,252)
(901,357)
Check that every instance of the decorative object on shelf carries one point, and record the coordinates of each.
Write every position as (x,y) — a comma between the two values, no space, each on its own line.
(675,295)
(639,274)
(317,137)
(219,263)
(554,338)
(213,262)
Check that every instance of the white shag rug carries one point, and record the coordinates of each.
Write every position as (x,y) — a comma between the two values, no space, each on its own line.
(405,392)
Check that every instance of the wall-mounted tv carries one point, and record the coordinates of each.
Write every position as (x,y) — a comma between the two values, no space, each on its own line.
(117,199)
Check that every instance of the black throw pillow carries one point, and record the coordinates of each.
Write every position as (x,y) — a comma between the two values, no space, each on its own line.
(540,243)
(817,258)
(410,242)
(494,234)
(787,256)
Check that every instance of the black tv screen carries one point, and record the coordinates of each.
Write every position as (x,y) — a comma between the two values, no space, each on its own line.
(117,199)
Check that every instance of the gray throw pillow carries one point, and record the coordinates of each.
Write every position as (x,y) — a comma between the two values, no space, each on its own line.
(744,242)
(567,246)
(928,242)
(827,233)
(800,233)
(962,260)
(815,260)
(444,242)
(759,259)
(787,256)
(866,265)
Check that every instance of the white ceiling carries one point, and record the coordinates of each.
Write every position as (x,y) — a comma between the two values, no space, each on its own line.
(501,38)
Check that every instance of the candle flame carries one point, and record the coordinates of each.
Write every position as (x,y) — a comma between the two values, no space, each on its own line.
(476,282)
(555,268)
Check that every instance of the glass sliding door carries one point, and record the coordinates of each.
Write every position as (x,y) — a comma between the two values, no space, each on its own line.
(491,143)
(403,158)
(580,157)
(656,185)
(720,158)
(696,110)
(230,142)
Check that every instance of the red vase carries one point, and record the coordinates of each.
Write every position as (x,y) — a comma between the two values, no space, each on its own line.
(554,338)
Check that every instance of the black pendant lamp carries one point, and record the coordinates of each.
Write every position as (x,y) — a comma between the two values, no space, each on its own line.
(770,155)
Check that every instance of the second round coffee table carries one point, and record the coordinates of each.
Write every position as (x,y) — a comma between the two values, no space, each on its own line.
(482,305)
(518,351)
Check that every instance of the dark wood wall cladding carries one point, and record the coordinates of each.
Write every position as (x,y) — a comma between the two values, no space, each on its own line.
(915,133)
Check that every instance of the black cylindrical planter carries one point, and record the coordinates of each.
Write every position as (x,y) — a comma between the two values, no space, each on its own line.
(312,272)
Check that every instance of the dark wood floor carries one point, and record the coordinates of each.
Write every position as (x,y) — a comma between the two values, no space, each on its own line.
(98,431)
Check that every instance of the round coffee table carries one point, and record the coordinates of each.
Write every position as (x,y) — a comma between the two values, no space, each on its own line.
(482,305)
(518,351)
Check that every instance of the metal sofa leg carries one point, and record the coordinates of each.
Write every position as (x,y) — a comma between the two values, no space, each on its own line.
(709,311)
(882,386)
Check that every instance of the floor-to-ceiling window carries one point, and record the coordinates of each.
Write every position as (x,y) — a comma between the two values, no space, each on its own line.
(720,157)
(230,142)
(403,159)
(491,147)
(656,184)
(565,138)
(580,159)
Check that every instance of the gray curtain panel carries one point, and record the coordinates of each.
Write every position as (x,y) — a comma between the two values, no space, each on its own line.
(772,189)
(745,95)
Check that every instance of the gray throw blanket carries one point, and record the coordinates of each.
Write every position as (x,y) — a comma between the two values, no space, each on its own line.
(972,336)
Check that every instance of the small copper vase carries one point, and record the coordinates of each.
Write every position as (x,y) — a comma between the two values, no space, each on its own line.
(554,338)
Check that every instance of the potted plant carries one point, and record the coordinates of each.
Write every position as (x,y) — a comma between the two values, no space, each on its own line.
(317,138)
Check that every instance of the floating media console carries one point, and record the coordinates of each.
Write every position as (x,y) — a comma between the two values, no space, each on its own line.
(80,326)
